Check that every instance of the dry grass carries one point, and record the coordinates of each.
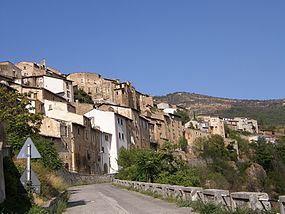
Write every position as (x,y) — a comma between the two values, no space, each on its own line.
(38,200)
(56,182)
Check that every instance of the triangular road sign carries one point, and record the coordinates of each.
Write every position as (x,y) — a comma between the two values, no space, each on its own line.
(36,184)
(34,152)
(34,178)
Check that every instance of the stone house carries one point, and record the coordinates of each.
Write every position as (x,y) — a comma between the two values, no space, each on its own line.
(192,134)
(163,127)
(56,84)
(116,125)
(38,95)
(214,125)
(242,124)
(137,125)
(36,69)
(100,89)
(10,71)
(104,90)
(146,102)
(77,139)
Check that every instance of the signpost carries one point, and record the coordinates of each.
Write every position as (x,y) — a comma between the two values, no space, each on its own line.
(29,151)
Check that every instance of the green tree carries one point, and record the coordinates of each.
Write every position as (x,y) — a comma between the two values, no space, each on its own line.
(183,114)
(264,154)
(182,143)
(211,148)
(14,112)
(83,97)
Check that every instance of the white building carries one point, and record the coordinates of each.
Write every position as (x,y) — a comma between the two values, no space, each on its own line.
(116,125)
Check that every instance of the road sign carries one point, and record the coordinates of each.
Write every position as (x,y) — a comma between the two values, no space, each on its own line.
(36,184)
(27,152)
(34,152)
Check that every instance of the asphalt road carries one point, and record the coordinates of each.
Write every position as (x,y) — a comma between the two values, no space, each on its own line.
(107,199)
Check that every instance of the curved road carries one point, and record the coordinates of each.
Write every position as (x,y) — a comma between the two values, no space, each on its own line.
(107,199)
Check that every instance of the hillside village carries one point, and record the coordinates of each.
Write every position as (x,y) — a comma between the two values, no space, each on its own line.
(89,136)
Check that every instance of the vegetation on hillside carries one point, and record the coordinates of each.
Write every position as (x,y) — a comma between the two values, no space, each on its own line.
(183,115)
(162,166)
(258,167)
(82,96)
(20,124)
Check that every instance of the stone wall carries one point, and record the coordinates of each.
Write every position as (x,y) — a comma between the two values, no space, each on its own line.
(77,179)
(258,201)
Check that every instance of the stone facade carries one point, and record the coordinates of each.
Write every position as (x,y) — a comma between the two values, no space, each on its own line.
(100,89)
(138,136)
(56,84)
(242,124)
(75,133)
(192,134)
(164,127)
(35,69)
(10,71)
(104,90)
(116,125)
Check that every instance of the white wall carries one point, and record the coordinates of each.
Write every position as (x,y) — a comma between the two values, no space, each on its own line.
(53,84)
(58,110)
(106,121)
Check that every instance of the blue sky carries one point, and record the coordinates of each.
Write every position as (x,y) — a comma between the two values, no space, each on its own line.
(225,48)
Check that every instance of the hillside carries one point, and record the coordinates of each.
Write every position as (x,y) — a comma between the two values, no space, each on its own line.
(267,112)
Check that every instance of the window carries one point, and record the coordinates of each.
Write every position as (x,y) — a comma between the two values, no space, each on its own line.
(67,85)
(50,107)
(81,80)
(78,131)
(106,137)
(68,94)
(119,135)
(118,120)
(123,137)
(102,149)
(121,121)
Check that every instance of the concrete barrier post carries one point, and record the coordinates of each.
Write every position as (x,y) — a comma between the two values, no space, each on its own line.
(282,204)
(252,200)
(218,197)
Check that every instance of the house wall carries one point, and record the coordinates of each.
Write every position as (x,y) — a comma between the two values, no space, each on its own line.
(98,88)
(9,70)
(115,125)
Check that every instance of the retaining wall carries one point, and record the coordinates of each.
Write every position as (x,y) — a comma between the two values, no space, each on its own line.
(76,179)
(258,201)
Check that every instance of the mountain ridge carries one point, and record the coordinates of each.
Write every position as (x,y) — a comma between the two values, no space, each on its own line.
(267,112)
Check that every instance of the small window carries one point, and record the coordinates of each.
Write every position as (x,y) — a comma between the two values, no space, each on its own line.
(81,80)
(121,121)
(50,107)
(78,131)
(102,149)
(118,120)
(119,135)
(123,137)
(106,137)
